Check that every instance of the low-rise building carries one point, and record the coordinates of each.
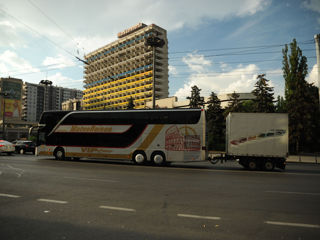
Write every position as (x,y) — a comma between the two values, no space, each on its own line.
(72,105)
(173,102)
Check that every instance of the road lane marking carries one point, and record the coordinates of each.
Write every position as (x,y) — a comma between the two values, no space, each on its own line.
(297,193)
(118,208)
(9,195)
(51,201)
(293,224)
(198,217)
(92,179)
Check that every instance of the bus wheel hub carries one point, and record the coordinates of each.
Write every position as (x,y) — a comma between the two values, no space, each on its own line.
(139,158)
(158,159)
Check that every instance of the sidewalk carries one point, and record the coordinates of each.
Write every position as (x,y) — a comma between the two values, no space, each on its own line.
(303,159)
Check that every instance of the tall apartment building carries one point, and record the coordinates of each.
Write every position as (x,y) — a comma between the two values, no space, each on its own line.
(38,98)
(124,69)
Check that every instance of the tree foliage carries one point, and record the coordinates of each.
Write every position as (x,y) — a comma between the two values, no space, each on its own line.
(280,106)
(130,104)
(263,95)
(215,124)
(196,101)
(301,102)
(234,104)
(248,106)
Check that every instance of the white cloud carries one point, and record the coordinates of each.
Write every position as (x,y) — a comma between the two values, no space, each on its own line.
(12,64)
(312,5)
(313,75)
(60,61)
(173,70)
(196,62)
(97,23)
(9,35)
(240,79)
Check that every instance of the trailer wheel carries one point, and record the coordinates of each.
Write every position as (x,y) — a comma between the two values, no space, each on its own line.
(139,157)
(252,165)
(268,165)
(59,153)
(158,158)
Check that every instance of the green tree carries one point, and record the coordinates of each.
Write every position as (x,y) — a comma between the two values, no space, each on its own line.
(263,95)
(248,106)
(196,101)
(130,104)
(299,100)
(234,104)
(215,124)
(280,106)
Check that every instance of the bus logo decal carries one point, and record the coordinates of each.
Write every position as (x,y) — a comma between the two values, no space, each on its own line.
(182,139)
(92,128)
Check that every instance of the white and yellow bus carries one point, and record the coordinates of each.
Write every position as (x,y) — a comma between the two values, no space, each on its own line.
(157,136)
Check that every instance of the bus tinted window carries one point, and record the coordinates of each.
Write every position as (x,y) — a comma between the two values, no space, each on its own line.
(134,117)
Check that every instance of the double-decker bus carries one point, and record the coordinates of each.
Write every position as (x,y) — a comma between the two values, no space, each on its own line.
(157,136)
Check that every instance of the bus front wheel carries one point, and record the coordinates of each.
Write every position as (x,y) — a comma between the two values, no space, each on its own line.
(139,157)
(59,153)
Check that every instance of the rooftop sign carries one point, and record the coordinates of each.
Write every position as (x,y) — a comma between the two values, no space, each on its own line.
(131,30)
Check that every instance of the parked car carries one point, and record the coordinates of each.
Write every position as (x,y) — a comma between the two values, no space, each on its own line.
(23,147)
(6,147)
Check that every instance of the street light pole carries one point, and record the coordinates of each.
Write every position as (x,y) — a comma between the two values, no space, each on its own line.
(153,78)
(317,41)
(154,42)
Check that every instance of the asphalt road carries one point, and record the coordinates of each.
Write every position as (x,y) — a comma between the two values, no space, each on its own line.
(41,198)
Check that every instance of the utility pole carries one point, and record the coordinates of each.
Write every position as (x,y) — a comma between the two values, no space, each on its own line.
(317,41)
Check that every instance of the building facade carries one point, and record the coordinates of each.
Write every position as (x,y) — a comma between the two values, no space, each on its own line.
(72,105)
(39,97)
(125,68)
(11,97)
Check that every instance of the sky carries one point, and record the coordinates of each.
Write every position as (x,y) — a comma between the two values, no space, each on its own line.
(220,46)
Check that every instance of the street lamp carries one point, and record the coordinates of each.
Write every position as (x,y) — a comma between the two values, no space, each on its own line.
(45,83)
(154,42)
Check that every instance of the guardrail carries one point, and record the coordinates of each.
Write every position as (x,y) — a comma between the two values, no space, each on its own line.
(315,158)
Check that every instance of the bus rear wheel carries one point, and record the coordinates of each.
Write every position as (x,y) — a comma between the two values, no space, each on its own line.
(158,158)
(59,153)
(139,157)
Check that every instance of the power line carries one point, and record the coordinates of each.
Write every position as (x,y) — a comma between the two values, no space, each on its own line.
(39,34)
(234,73)
(237,48)
(236,54)
(17,73)
(231,62)
(54,22)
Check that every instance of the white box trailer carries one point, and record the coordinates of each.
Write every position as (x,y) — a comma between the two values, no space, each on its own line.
(257,140)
